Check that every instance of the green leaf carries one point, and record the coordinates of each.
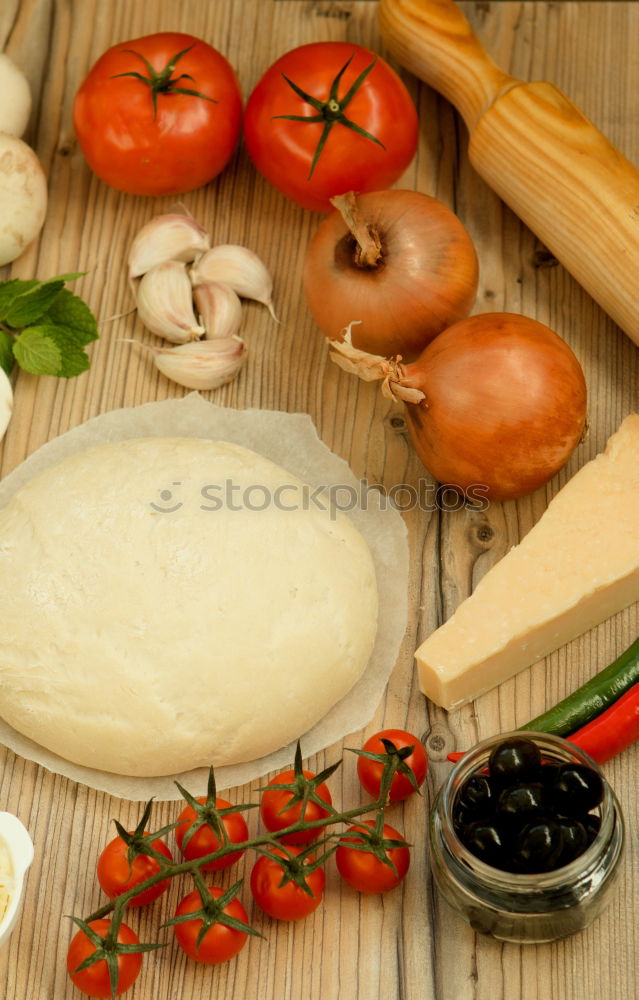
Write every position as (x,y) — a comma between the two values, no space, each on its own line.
(7,359)
(70,311)
(37,353)
(73,358)
(10,290)
(27,308)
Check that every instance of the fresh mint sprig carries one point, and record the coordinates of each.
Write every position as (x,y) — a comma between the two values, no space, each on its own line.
(44,327)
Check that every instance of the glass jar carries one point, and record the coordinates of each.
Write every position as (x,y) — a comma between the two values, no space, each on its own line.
(525,909)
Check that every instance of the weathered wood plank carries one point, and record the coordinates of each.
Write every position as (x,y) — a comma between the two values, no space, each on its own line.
(407,946)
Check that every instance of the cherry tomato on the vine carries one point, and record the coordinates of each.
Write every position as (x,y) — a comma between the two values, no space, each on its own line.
(288,901)
(159,114)
(221,942)
(276,813)
(370,771)
(327,118)
(204,840)
(362,869)
(116,875)
(94,981)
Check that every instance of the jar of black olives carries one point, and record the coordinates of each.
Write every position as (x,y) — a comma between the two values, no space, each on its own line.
(526,837)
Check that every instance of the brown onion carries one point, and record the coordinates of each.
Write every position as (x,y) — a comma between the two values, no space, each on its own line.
(497,401)
(400,262)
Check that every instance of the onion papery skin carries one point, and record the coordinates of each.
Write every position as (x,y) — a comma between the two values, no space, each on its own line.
(426,280)
(504,407)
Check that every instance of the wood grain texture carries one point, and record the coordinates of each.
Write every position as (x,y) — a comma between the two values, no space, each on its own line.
(407,946)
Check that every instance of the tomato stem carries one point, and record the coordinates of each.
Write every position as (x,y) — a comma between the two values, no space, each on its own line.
(331,111)
(163,82)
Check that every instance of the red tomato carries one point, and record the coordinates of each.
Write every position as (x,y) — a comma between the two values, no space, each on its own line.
(363,870)
(116,876)
(285,902)
(204,841)
(94,981)
(276,816)
(369,771)
(221,942)
(283,150)
(181,144)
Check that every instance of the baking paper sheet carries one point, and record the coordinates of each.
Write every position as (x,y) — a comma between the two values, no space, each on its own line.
(290,440)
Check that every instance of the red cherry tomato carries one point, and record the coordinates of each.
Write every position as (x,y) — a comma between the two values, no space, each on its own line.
(204,840)
(363,870)
(116,875)
(289,901)
(94,981)
(276,814)
(221,942)
(370,772)
(312,159)
(179,144)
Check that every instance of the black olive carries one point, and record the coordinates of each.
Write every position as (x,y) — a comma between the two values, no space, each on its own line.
(477,796)
(576,790)
(517,759)
(539,846)
(548,772)
(592,826)
(575,838)
(519,804)
(484,840)
(461,818)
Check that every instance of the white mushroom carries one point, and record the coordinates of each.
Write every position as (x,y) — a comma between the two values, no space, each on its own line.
(15,107)
(23,197)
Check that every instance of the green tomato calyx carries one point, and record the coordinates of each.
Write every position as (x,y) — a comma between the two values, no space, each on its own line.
(331,111)
(163,82)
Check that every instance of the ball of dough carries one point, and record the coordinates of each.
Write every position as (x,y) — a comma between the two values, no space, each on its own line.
(175,603)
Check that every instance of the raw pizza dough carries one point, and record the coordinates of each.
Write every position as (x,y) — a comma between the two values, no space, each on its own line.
(164,607)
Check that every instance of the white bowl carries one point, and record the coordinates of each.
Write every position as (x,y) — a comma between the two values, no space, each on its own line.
(20,847)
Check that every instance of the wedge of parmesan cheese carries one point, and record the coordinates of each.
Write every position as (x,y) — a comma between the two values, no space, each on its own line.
(577,566)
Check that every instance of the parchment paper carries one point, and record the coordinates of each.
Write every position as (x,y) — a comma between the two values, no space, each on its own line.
(290,440)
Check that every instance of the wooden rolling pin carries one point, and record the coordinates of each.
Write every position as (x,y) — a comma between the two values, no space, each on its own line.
(541,155)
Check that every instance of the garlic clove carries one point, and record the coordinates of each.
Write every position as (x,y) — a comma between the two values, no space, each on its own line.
(206,364)
(174,236)
(239,268)
(165,304)
(219,309)
(6,402)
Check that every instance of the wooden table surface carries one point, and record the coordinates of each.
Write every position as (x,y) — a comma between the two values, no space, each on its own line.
(407,945)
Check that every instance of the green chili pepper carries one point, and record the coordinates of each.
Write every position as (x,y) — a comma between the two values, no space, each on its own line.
(592,698)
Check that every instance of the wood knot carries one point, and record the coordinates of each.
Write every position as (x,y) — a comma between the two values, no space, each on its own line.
(485,533)
(438,742)
(398,423)
(544,258)
(328,8)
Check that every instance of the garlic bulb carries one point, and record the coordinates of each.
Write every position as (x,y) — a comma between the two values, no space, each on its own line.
(206,364)
(239,268)
(219,309)
(165,304)
(174,236)
(6,402)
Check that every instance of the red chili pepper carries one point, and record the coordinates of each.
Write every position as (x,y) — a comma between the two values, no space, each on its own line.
(611,732)
(607,734)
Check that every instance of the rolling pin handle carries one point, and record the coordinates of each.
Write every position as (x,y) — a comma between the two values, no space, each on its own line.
(436,43)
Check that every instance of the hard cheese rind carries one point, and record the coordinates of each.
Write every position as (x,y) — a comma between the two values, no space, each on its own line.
(577,566)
